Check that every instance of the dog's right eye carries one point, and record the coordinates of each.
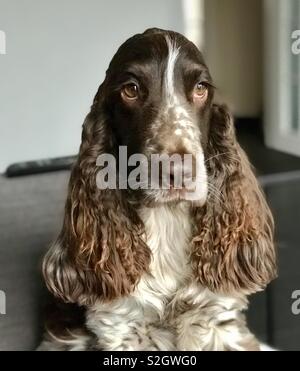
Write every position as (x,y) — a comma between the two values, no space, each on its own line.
(130,92)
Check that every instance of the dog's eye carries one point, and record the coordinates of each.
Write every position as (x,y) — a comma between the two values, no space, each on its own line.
(200,90)
(130,91)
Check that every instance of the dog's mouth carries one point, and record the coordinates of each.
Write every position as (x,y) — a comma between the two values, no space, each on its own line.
(195,196)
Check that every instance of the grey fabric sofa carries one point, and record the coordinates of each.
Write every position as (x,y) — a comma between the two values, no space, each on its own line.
(31,210)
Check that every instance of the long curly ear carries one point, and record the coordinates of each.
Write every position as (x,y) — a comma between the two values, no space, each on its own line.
(100,252)
(233,249)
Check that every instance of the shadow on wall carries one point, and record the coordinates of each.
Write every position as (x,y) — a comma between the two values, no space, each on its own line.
(233,50)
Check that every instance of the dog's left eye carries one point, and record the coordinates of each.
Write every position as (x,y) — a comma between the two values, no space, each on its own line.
(200,90)
(130,91)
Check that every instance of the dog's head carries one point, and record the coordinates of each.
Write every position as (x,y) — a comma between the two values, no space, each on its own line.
(156,99)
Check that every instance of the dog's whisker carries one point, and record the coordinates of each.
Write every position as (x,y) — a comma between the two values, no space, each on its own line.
(229,154)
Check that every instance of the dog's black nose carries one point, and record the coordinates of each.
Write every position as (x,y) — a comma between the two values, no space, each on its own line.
(177,171)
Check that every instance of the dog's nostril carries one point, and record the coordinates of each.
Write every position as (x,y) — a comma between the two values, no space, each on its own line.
(172,177)
(175,170)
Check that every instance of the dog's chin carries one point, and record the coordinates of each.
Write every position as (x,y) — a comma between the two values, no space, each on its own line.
(173,197)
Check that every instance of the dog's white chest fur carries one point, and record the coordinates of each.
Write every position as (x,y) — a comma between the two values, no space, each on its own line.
(167,233)
(167,310)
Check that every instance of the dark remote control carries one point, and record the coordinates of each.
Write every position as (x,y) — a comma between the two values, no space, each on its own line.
(40,166)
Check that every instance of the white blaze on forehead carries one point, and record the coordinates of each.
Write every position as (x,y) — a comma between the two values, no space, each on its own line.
(173,52)
(182,119)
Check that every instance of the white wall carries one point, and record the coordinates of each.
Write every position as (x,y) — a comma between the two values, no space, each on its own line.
(57,53)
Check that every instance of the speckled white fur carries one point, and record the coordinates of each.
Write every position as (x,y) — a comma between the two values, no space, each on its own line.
(168,310)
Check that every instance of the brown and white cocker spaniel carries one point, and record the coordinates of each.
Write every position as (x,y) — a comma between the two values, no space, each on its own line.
(153,269)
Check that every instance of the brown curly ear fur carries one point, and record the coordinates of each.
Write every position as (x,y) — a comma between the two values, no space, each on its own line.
(99,253)
(233,249)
